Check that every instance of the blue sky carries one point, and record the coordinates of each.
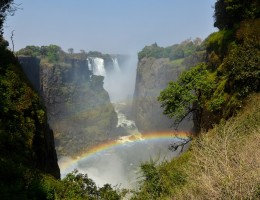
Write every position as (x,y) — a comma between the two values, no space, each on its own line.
(109,26)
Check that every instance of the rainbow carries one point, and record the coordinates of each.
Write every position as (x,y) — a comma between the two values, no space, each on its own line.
(64,165)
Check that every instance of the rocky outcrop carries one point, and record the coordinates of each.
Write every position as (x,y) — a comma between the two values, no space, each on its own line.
(79,110)
(44,148)
(153,75)
(31,68)
(78,107)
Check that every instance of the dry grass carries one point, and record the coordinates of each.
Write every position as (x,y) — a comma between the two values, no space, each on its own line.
(225,162)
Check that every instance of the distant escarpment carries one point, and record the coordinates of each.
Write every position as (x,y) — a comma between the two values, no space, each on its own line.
(157,66)
(71,85)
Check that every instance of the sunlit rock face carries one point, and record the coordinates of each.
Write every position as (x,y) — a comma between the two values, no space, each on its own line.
(152,76)
(79,108)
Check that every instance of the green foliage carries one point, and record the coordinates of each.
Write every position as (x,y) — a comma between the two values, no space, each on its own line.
(18,110)
(6,7)
(51,53)
(78,186)
(161,180)
(222,164)
(177,51)
(242,69)
(232,74)
(24,134)
(242,62)
(31,51)
(237,75)
(188,94)
(229,13)
(151,51)
(218,42)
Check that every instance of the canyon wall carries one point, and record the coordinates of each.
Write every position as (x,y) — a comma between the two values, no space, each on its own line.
(78,107)
(154,72)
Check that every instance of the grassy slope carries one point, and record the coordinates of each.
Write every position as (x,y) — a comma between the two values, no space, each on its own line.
(223,163)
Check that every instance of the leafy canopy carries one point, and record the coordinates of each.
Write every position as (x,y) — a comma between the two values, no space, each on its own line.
(229,13)
(176,51)
(6,7)
(188,94)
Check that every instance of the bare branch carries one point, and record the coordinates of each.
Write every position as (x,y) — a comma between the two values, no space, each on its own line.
(182,143)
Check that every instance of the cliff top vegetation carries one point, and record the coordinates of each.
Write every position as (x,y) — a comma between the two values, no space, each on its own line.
(174,52)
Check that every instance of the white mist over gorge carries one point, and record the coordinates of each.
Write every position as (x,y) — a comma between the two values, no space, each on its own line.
(119,80)
(117,162)
(104,111)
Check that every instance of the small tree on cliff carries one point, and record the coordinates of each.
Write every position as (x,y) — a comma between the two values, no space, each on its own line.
(187,96)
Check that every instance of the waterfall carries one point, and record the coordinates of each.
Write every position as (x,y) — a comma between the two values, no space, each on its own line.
(116,65)
(96,65)
(89,64)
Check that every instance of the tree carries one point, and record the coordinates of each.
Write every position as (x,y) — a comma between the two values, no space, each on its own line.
(71,50)
(187,96)
(228,13)
(6,7)
(79,186)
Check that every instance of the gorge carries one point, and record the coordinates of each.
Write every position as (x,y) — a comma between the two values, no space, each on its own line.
(89,104)
(89,125)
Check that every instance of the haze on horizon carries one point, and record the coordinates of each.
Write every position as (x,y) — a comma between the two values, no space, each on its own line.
(115,26)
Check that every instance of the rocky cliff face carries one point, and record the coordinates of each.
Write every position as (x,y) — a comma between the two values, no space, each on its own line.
(152,76)
(45,153)
(78,107)
(157,66)
(31,67)
(26,142)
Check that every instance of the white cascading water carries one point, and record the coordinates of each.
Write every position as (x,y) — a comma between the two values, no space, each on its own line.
(116,65)
(98,67)
(89,64)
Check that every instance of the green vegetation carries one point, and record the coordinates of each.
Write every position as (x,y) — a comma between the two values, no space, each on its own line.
(6,8)
(220,164)
(77,186)
(229,13)
(177,51)
(188,94)
(224,162)
(28,162)
(51,53)
(161,180)
(54,54)
(26,142)
(79,102)
(231,74)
